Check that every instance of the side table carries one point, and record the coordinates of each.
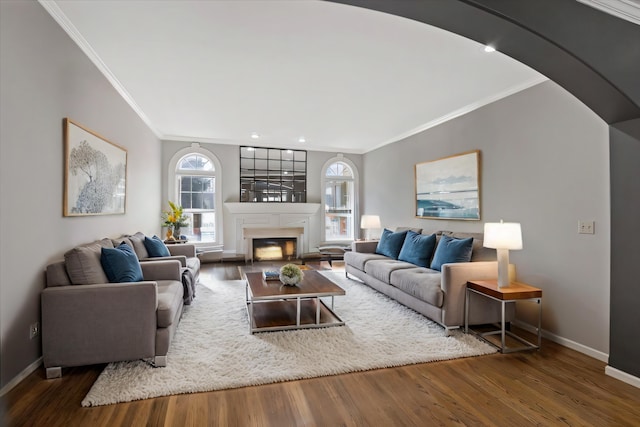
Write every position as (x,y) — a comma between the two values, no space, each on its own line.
(514,292)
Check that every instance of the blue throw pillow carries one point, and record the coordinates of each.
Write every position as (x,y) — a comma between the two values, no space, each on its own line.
(121,264)
(155,247)
(452,250)
(417,248)
(390,243)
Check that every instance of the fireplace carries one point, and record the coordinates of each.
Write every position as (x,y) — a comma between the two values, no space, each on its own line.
(277,242)
(280,248)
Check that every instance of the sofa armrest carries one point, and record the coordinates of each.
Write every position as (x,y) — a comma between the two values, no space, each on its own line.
(186,250)
(454,283)
(364,246)
(89,324)
(181,258)
(162,269)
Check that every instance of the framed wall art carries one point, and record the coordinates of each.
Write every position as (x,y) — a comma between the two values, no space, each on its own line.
(95,173)
(449,188)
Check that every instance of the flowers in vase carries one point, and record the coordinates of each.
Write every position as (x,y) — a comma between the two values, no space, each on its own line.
(174,219)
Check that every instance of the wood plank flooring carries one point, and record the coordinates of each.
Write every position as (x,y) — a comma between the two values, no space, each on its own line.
(550,387)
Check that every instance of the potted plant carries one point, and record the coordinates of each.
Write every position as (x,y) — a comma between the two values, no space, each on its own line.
(291,274)
(174,219)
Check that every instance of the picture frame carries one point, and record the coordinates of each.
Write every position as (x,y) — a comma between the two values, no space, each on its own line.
(95,173)
(449,188)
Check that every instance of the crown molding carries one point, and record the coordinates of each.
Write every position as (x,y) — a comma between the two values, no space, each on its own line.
(625,9)
(59,16)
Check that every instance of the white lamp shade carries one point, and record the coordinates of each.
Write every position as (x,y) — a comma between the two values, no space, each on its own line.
(369,221)
(502,235)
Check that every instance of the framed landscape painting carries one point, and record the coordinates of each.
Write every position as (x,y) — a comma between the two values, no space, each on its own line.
(95,173)
(449,188)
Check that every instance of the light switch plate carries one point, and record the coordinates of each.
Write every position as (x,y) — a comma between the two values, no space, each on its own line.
(586,227)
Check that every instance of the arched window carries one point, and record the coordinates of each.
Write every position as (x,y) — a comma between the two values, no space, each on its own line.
(340,199)
(194,185)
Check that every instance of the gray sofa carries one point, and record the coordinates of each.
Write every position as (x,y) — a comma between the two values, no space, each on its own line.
(88,320)
(438,295)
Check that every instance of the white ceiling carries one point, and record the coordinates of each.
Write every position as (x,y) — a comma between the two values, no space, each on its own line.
(346,79)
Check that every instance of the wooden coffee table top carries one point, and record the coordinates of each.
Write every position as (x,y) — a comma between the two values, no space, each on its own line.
(313,285)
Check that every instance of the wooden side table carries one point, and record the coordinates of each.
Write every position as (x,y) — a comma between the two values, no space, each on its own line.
(514,292)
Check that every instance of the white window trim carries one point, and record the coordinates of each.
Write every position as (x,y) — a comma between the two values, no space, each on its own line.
(356,197)
(172,191)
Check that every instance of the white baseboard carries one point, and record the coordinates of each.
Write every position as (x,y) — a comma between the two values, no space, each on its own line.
(596,354)
(622,376)
(22,375)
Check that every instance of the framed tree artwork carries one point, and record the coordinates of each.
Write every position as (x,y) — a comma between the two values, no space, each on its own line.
(449,188)
(95,173)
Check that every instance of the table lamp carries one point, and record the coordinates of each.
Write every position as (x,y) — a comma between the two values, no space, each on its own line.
(503,236)
(367,222)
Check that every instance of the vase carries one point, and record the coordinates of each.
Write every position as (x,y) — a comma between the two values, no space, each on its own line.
(176,232)
(289,280)
(169,233)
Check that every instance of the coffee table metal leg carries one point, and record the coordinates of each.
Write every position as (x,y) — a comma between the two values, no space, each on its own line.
(502,324)
(317,310)
(298,312)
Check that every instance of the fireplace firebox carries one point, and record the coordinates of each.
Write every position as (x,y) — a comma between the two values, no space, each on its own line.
(271,249)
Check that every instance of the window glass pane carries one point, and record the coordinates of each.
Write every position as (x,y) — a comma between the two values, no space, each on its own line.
(208,201)
(196,183)
(185,183)
(196,200)
(300,156)
(274,165)
(260,153)
(185,200)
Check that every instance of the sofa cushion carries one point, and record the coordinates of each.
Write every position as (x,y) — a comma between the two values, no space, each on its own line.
(390,243)
(479,252)
(121,264)
(422,283)
(417,249)
(381,269)
(451,250)
(360,259)
(138,245)
(83,263)
(170,293)
(156,247)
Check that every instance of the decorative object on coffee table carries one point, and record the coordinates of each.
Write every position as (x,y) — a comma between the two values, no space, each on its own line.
(291,274)
(174,219)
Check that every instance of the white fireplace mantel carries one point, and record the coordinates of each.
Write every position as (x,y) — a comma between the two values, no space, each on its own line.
(272,208)
(270,220)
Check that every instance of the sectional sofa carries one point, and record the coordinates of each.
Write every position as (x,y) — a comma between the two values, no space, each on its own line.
(421,277)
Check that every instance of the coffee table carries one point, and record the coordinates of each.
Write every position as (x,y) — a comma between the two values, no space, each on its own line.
(272,306)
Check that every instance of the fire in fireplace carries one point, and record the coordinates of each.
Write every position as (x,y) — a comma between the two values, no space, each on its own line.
(270,249)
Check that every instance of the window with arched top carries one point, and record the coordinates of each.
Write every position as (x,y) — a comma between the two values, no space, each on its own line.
(340,201)
(195,185)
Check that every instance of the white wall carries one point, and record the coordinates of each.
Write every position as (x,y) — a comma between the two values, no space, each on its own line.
(229,157)
(545,164)
(45,77)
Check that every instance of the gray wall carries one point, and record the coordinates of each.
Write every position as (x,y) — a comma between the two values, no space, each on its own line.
(625,205)
(229,157)
(545,164)
(45,77)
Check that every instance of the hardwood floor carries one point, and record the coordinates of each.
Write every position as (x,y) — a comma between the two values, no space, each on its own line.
(553,386)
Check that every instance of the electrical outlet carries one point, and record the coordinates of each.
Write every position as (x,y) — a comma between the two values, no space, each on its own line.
(34,330)
(586,227)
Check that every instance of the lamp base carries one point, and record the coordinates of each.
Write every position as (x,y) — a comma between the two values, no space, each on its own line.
(503,268)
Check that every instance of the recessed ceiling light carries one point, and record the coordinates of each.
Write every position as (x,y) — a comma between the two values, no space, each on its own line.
(302,139)
(254,135)
(289,151)
(489,49)
(251,149)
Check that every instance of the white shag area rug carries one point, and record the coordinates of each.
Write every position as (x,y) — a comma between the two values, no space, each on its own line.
(213,349)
